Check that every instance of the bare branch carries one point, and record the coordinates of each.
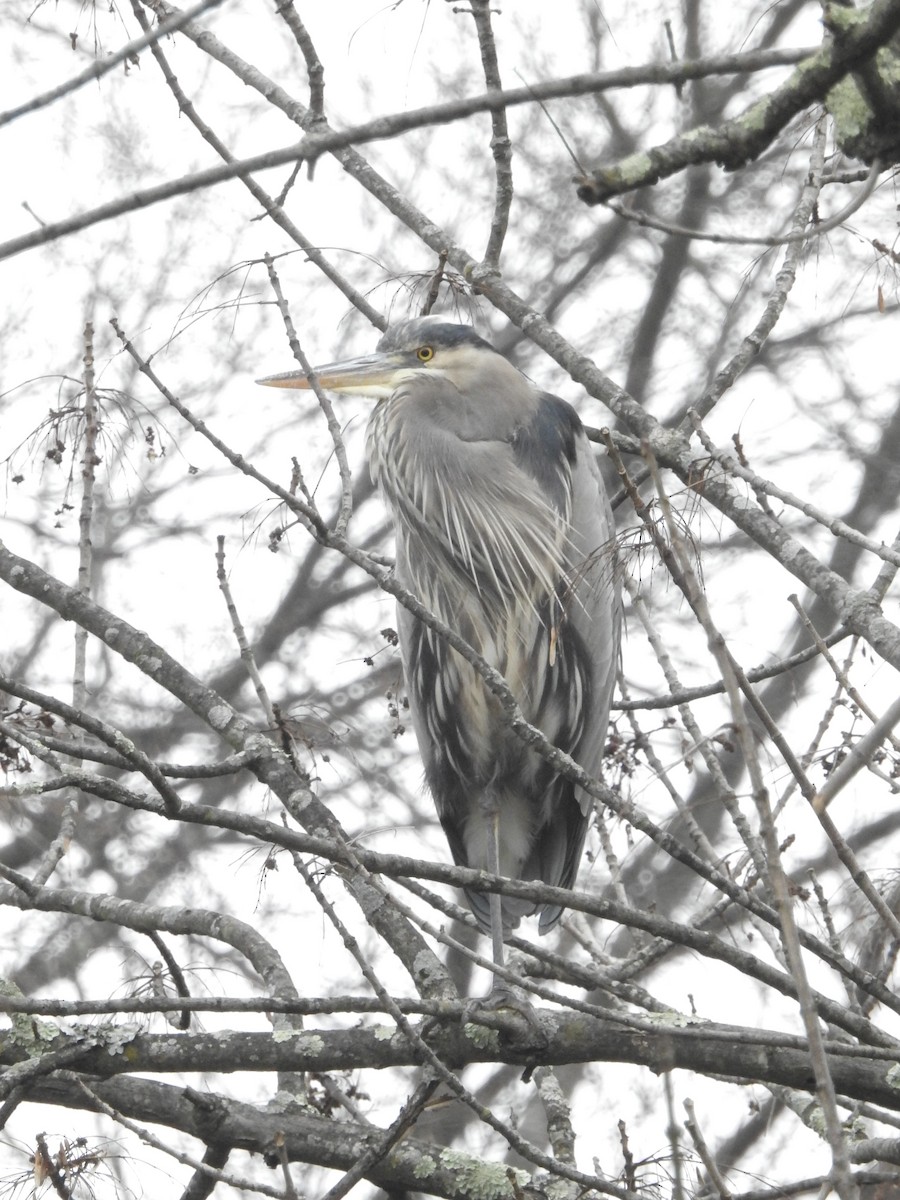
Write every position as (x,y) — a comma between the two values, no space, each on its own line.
(738,141)
(317,144)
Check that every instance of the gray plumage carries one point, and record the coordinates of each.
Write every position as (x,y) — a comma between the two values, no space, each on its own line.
(504,532)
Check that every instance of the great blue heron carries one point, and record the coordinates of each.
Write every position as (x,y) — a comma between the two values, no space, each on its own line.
(505,533)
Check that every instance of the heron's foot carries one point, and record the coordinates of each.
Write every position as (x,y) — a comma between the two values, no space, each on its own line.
(507,1009)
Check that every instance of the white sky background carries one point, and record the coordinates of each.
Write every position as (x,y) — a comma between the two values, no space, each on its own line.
(118,135)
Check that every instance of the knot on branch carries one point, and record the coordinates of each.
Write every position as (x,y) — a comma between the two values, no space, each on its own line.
(209,1113)
(858,611)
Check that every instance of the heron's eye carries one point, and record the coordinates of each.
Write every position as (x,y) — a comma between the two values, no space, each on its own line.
(425,354)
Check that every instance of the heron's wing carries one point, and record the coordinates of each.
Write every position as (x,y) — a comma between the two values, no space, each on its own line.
(595,612)
(553,450)
(587,649)
(545,449)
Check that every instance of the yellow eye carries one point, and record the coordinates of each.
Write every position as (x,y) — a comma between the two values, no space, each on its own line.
(425,354)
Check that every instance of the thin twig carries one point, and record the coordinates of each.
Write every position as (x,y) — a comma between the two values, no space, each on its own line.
(839,674)
(757,675)
(627,1156)
(337,434)
(314,68)
(247,656)
(857,758)
(175,974)
(831,931)
(673,1131)
(89,462)
(102,66)
(501,146)
(434,285)
(700,1145)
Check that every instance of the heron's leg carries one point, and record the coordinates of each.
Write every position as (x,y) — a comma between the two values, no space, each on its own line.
(494,899)
(504,996)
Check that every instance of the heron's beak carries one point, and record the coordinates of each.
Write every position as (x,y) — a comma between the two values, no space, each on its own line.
(370,375)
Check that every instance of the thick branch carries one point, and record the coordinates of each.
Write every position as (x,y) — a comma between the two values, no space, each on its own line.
(389,126)
(742,139)
(764,1056)
(411,1165)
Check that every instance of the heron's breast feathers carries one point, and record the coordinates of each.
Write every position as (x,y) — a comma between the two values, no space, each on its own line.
(468,514)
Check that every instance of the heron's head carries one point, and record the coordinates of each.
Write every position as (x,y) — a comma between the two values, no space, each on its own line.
(411,350)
